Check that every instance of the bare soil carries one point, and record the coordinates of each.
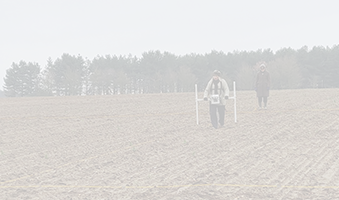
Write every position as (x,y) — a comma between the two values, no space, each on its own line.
(150,147)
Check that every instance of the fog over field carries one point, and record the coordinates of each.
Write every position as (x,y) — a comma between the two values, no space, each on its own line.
(150,147)
(38,30)
(97,99)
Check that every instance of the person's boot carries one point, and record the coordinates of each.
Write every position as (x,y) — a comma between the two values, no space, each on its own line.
(215,125)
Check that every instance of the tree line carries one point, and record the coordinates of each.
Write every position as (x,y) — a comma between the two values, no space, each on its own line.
(164,72)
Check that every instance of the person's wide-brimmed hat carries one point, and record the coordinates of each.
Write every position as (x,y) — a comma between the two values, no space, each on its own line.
(262,66)
(216,73)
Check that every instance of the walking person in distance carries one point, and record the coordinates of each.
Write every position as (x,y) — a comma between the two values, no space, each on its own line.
(217,92)
(262,86)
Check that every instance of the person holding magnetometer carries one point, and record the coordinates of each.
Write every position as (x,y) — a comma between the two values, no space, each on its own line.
(217,92)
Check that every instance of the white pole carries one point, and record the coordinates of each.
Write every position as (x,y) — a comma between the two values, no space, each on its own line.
(196,103)
(235,102)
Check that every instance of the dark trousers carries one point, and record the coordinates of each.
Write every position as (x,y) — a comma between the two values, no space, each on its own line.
(260,99)
(215,112)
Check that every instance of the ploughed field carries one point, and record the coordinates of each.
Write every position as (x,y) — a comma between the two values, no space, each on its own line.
(150,147)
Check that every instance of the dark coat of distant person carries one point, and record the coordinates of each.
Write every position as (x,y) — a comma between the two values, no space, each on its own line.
(263,83)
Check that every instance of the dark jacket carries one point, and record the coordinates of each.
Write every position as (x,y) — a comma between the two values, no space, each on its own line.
(263,84)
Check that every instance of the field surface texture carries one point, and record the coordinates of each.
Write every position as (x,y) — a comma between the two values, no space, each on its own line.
(150,147)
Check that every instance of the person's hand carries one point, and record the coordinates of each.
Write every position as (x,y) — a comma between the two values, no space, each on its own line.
(226,97)
(205,99)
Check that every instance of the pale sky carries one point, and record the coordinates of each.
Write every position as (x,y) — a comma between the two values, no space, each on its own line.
(35,30)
